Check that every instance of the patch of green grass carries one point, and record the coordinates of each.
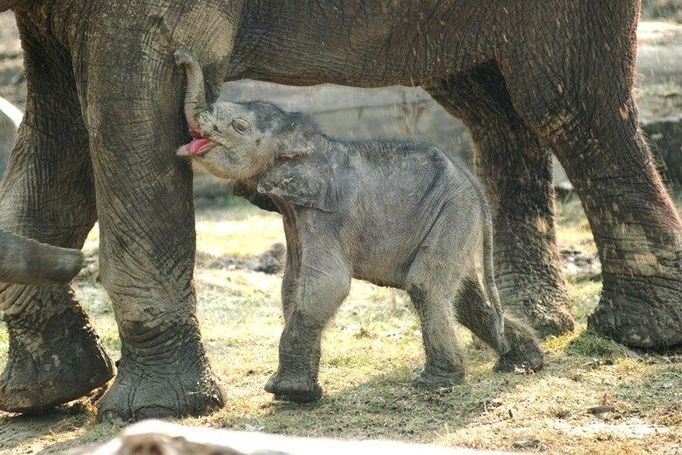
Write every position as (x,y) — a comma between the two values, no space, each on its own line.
(236,228)
(589,344)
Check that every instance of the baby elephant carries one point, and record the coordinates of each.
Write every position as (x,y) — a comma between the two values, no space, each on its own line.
(397,214)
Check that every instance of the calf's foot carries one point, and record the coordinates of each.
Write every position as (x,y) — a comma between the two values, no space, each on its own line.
(432,378)
(296,388)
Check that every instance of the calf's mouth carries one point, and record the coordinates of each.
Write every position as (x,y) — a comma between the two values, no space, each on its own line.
(198,146)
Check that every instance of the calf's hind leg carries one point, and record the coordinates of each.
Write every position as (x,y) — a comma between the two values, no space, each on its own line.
(444,365)
(522,350)
(432,282)
(517,172)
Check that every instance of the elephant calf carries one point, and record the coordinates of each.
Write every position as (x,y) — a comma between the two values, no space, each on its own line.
(397,214)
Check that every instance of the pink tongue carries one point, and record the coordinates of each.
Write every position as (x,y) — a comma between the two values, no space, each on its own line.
(197,144)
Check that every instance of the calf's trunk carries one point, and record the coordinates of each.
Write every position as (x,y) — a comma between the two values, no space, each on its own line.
(195,96)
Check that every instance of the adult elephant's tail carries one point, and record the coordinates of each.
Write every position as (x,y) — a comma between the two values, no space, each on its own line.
(25,261)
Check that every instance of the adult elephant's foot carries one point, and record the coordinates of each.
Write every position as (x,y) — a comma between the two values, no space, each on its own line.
(135,397)
(547,317)
(295,388)
(62,362)
(524,353)
(544,305)
(161,385)
(432,378)
(641,312)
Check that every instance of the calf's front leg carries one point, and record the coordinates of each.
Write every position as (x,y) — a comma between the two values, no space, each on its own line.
(315,286)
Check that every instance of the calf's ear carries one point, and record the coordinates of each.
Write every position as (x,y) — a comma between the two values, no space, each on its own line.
(260,200)
(303,179)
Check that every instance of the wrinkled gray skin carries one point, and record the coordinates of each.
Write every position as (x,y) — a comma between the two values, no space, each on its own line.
(104,119)
(26,261)
(397,214)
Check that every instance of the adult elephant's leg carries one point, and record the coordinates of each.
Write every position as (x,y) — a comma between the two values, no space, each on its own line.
(48,194)
(147,247)
(517,172)
(590,118)
(133,99)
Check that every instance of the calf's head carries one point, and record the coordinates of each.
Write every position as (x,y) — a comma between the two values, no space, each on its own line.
(279,153)
(241,140)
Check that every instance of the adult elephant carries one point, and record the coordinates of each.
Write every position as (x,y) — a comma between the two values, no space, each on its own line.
(104,118)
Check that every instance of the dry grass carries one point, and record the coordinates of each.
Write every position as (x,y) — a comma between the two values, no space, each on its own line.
(593,396)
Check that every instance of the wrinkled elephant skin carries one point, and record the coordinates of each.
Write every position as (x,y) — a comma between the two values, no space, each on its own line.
(104,119)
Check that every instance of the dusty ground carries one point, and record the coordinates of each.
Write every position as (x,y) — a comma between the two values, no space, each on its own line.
(593,396)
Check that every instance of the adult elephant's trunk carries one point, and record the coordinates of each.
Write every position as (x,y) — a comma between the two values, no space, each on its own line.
(26,261)
(195,97)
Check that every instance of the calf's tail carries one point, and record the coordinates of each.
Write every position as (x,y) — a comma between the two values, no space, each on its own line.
(489,278)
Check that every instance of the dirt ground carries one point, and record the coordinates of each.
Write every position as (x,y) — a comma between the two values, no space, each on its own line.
(594,396)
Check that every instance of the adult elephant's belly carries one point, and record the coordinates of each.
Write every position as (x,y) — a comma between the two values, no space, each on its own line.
(363,43)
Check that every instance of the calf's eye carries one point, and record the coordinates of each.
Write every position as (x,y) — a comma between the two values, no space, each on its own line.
(240,125)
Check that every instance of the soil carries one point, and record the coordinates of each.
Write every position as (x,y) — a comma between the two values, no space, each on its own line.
(270,262)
